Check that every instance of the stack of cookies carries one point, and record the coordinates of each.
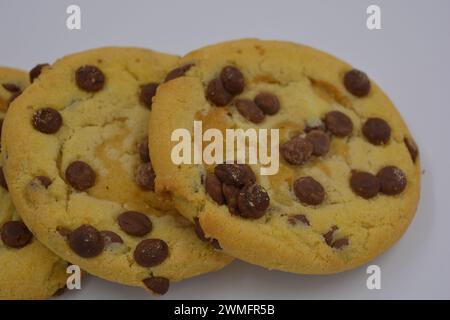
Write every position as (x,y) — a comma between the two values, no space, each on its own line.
(88,176)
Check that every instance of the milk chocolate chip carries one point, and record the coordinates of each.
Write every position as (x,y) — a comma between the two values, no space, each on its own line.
(144,153)
(178,72)
(267,102)
(412,148)
(364,184)
(80,175)
(253,201)
(309,191)
(135,223)
(249,110)
(297,151)
(147,93)
(216,93)
(89,78)
(157,285)
(151,252)
(392,180)
(230,193)
(338,123)
(3,180)
(234,174)
(357,83)
(86,241)
(213,188)
(377,131)
(232,80)
(47,120)
(36,71)
(145,176)
(111,237)
(320,142)
(15,234)
(298,218)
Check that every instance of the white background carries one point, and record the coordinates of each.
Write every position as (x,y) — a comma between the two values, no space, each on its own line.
(409,58)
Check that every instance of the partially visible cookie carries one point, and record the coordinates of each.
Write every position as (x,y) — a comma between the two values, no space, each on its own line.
(349,177)
(28,269)
(78,166)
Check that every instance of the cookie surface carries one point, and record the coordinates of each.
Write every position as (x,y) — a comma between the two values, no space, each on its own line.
(77,163)
(28,269)
(349,177)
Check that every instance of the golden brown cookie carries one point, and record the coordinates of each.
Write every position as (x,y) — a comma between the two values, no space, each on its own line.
(28,269)
(77,163)
(349,175)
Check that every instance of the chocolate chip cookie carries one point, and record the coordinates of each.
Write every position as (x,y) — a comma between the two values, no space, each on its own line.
(28,269)
(78,167)
(348,181)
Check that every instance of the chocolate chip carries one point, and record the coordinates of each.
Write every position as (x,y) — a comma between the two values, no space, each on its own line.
(11,87)
(151,252)
(267,102)
(294,219)
(144,153)
(15,234)
(80,175)
(63,231)
(90,78)
(392,180)
(213,188)
(377,131)
(253,201)
(178,72)
(1,127)
(13,97)
(234,174)
(36,71)
(320,142)
(44,181)
(201,234)
(135,223)
(145,176)
(216,93)
(232,80)
(328,237)
(364,184)
(249,110)
(230,194)
(110,237)
(216,245)
(338,123)
(309,191)
(3,180)
(86,241)
(199,230)
(339,243)
(412,148)
(357,83)
(146,94)
(47,120)
(157,285)
(297,151)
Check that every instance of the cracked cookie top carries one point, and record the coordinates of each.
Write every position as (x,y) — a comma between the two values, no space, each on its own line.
(349,175)
(28,269)
(78,167)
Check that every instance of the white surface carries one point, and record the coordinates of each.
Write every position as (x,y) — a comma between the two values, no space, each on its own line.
(409,58)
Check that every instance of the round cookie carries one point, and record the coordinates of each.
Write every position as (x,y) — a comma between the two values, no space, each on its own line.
(349,176)
(28,269)
(77,162)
